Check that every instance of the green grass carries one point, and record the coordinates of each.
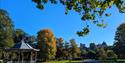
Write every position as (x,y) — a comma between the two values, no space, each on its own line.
(112,61)
(63,61)
(70,61)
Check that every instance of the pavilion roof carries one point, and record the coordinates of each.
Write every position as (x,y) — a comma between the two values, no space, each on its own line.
(23,45)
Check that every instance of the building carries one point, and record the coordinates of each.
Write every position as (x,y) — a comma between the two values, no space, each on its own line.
(24,53)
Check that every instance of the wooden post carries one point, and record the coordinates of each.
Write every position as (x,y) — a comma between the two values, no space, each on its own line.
(35,56)
(19,57)
(22,56)
(31,57)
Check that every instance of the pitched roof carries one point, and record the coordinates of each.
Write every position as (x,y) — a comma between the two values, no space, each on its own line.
(23,45)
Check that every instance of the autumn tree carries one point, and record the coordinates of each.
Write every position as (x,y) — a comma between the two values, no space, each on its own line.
(6,30)
(119,45)
(46,44)
(75,51)
(89,10)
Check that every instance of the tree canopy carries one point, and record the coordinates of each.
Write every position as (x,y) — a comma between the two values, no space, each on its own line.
(19,34)
(46,44)
(89,10)
(119,45)
(75,51)
(6,30)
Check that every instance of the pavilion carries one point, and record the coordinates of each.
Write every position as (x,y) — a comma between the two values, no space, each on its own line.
(25,53)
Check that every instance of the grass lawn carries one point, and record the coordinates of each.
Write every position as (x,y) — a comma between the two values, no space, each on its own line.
(73,61)
(112,61)
(63,61)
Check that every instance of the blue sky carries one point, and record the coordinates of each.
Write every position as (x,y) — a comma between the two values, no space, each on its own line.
(26,16)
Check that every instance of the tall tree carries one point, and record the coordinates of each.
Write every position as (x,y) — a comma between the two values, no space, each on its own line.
(119,45)
(60,48)
(92,10)
(66,50)
(83,50)
(75,51)
(46,44)
(6,30)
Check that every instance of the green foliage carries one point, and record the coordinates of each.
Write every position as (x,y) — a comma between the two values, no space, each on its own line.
(75,51)
(60,48)
(91,54)
(1,52)
(6,30)
(83,52)
(66,51)
(89,10)
(19,34)
(101,54)
(111,54)
(119,45)
(84,32)
(31,39)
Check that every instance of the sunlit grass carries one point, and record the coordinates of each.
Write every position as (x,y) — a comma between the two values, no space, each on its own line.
(75,61)
(63,61)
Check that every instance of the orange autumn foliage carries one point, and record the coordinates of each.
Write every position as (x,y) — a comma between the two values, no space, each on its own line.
(47,43)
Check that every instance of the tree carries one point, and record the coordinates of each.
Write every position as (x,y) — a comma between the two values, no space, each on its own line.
(6,30)
(19,34)
(46,44)
(101,53)
(83,50)
(92,51)
(75,51)
(119,45)
(111,54)
(66,51)
(89,10)
(104,45)
(31,39)
(91,54)
(92,46)
(60,48)
(83,46)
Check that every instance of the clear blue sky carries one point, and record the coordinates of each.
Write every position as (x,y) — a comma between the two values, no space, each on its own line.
(26,16)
